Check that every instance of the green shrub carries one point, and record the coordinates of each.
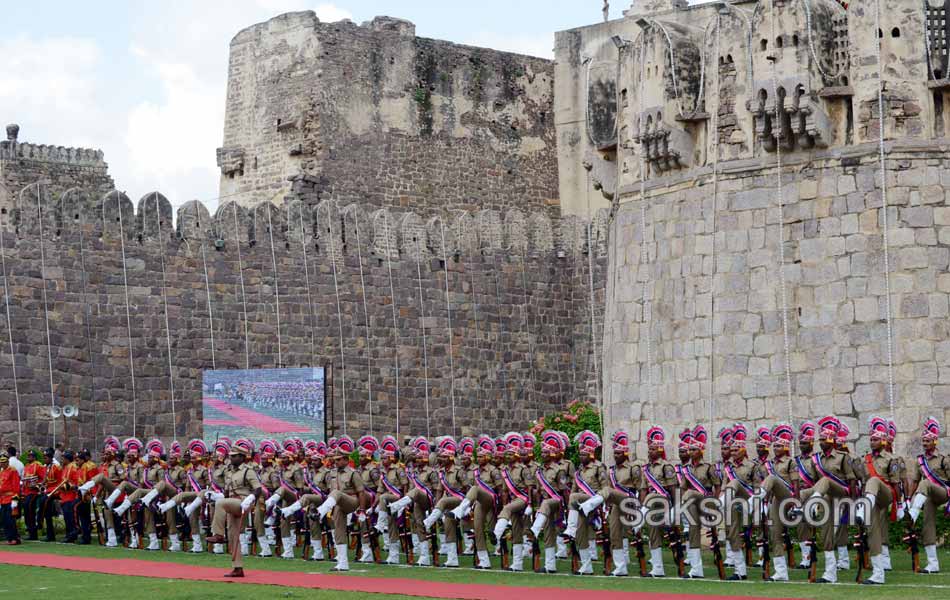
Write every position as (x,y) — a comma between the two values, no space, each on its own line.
(575,418)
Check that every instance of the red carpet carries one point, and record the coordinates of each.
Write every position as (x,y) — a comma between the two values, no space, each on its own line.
(250,418)
(407,587)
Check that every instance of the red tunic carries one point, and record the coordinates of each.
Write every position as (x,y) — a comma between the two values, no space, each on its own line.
(9,485)
(33,476)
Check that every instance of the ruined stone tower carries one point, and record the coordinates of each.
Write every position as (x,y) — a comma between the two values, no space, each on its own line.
(376,115)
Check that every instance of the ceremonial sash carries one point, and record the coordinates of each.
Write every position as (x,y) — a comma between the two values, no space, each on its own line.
(523,496)
(448,488)
(934,479)
(733,476)
(194,482)
(389,486)
(261,481)
(618,486)
(579,480)
(803,472)
(770,467)
(816,458)
(694,481)
(678,469)
(214,485)
(286,485)
(549,489)
(414,478)
(491,491)
(313,488)
(168,480)
(655,483)
(872,471)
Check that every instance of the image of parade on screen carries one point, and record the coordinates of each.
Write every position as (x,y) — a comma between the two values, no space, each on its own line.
(263,404)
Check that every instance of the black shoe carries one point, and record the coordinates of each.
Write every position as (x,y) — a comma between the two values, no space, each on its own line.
(869,582)
(479,568)
(544,571)
(735,577)
(652,576)
(928,572)
(823,580)
(688,576)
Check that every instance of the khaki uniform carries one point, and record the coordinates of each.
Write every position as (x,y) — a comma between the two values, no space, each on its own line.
(155,476)
(292,476)
(594,474)
(839,464)
(523,479)
(664,474)
(883,487)
(428,477)
(803,462)
(239,484)
(270,482)
(485,504)
(556,475)
(107,483)
(456,480)
(706,474)
(779,486)
(936,494)
(346,486)
(740,477)
(396,477)
(628,476)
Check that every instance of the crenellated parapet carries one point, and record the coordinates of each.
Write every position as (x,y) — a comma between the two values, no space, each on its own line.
(330,229)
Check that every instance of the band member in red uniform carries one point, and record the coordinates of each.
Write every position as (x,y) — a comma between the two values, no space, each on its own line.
(9,497)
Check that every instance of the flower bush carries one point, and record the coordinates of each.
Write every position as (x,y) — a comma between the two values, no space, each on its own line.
(577,416)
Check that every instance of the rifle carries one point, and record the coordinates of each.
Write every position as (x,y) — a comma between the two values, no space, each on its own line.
(716,548)
(327,538)
(766,544)
(604,540)
(505,554)
(100,524)
(912,539)
(861,545)
(575,556)
(305,530)
(641,553)
(789,546)
(434,545)
(747,544)
(535,554)
(813,560)
(675,539)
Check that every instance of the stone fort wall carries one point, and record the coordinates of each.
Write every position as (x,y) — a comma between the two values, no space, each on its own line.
(519,289)
(683,122)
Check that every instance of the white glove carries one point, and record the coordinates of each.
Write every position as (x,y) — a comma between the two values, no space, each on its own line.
(528,511)
(361,517)
(248,502)
(213,496)
(901,509)
(13,505)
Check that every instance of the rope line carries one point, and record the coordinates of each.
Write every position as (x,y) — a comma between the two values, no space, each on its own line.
(339,312)
(369,354)
(392,294)
(204,265)
(715,206)
(237,235)
(422,325)
(884,216)
(168,335)
(475,305)
(128,309)
(448,312)
(644,259)
(306,271)
(781,237)
(87,319)
(6,304)
(49,344)
(273,257)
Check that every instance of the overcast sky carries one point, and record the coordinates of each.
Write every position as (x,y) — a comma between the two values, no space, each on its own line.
(145,81)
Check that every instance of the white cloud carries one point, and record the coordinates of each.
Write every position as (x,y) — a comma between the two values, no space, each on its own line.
(541,45)
(49,86)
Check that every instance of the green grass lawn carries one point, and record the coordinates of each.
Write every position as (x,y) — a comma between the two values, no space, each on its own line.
(35,582)
(899,581)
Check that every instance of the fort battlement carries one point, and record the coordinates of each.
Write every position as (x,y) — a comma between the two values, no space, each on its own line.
(441,315)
